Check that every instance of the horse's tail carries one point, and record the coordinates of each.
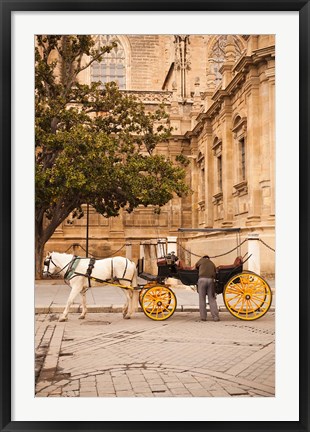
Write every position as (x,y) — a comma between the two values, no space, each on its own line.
(134,281)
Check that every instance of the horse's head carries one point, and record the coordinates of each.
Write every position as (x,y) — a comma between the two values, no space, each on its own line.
(49,265)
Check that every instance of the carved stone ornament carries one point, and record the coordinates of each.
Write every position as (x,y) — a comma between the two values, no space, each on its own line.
(152,97)
(241,126)
(217,148)
(241,188)
(218,198)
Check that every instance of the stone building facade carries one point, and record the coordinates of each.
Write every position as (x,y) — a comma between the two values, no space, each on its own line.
(220,93)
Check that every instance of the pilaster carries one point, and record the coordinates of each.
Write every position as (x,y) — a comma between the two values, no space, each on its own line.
(227,155)
(227,67)
(270,73)
(197,104)
(209,169)
(265,146)
(254,146)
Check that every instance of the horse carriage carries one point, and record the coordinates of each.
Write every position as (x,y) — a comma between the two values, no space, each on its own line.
(246,295)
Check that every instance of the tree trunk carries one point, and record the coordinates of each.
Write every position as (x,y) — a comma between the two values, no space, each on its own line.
(39,249)
(40,241)
(43,232)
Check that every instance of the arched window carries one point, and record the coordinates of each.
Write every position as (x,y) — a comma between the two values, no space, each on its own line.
(217,55)
(112,66)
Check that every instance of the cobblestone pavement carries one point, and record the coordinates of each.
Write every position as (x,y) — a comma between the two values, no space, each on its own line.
(107,356)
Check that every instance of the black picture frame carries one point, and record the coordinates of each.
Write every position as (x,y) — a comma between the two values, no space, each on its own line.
(7,7)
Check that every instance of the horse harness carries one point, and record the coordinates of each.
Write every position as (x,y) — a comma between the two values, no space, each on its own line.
(71,273)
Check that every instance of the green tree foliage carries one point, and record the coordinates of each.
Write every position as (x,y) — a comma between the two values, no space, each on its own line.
(93,145)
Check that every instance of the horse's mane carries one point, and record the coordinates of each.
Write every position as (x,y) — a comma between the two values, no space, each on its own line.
(64,254)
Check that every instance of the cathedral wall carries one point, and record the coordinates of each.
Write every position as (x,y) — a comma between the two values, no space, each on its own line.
(148,65)
(225,124)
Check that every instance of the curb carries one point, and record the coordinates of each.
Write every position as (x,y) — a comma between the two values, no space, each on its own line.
(115,309)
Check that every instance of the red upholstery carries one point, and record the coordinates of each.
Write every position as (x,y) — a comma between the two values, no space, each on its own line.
(238,262)
(181,266)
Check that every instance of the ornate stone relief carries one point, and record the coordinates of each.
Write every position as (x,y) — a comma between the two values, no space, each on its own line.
(152,97)
(241,188)
(182,61)
(217,56)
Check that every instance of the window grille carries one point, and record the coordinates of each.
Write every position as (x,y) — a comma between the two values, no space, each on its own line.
(217,56)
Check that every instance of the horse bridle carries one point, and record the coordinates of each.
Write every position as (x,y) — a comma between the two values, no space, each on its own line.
(47,263)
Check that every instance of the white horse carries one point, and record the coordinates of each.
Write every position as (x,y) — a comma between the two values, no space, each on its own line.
(76,271)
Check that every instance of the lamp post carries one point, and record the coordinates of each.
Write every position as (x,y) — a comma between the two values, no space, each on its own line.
(87,228)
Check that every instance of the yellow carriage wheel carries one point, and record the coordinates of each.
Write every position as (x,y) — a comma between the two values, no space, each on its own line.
(159,302)
(144,289)
(247,296)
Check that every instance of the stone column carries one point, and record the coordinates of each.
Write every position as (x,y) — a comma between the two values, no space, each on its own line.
(265,146)
(175,116)
(227,139)
(210,79)
(194,182)
(75,248)
(182,62)
(153,256)
(254,251)
(252,44)
(145,253)
(230,55)
(253,147)
(209,170)
(197,104)
(142,252)
(270,72)
(227,160)
(128,250)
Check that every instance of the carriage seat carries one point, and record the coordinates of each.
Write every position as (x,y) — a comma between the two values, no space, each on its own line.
(149,277)
(238,262)
(182,266)
(161,261)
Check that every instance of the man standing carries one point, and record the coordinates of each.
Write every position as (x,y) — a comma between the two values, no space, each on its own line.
(206,287)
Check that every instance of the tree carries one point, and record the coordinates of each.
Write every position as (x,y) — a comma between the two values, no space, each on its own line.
(93,145)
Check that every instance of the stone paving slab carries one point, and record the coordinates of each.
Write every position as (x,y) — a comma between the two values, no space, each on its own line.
(107,356)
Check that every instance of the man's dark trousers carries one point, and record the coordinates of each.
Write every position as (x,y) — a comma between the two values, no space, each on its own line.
(206,288)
